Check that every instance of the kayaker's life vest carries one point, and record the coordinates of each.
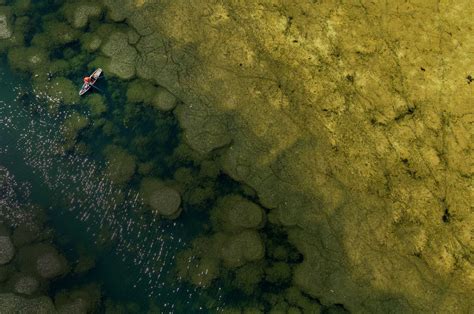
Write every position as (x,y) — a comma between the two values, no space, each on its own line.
(87,79)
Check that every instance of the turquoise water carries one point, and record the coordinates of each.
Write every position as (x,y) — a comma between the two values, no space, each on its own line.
(134,252)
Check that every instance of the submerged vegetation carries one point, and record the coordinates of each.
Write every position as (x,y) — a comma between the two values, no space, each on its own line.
(308,158)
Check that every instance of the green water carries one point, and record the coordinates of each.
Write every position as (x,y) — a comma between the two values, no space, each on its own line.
(134,252)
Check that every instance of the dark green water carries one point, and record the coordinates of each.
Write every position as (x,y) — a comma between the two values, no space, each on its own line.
(134,252)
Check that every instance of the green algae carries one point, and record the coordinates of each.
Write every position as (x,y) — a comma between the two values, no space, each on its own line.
(335,136)
(121,165)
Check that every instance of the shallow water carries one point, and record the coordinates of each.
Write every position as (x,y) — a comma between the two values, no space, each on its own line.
(134,252)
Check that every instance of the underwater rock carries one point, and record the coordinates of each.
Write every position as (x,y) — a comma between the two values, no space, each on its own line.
(121,165)
(25,284)
(25,234)
(279,273)
(5,22)
(60,33)
(21,7)
(84,264)
(59,89)
(79,15)
(7,250)
(5,272)
(204,272)
(163,200)
(27,59)
(163,100)
(140,90)
(118,10)
(19,29)
(248,277)
(90,42)
(50,265)
(72,127)
(294,297)
(199,264)
(42,259)
(208,133)
(12,303)
(331,122)
(234,213)
(122,56)
(245,247)
(96,104)
(79,300)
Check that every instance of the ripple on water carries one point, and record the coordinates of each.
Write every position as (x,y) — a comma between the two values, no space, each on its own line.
(32,145)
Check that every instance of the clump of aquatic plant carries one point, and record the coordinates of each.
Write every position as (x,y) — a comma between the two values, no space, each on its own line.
(84,299)
(122,56)
(90,42)
(79,15)
(71,128)
(43,260)
(27,59)
(234,213)
(59,33)
(121,165)
(162,199)
(59,90)
(96,105)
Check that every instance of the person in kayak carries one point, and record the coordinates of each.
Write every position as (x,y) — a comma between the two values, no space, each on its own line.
(87,80)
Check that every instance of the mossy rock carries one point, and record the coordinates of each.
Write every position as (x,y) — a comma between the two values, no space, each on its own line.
(90,42)
(27,59)
(163,100)
(248,277)
(42,260)
(60,33)
(162,199)
(85,299)
(278,273)
(140,91)
(204,272)
(6,21)
(7,250)
(21,7)
(79,14)
(61,90)
(237,250)
(121,165)
(17,38)
(72,127)
(122,55)
(234,213)
(26,234)
(12,303)
(96,104)
(118,10)
(294,297)
(25,284)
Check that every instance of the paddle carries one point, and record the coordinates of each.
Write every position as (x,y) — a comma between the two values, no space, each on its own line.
(97,88)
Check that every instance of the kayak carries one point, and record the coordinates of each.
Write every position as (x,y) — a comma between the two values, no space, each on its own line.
(94,77)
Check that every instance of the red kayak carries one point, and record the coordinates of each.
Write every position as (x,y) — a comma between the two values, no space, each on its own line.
(93,78)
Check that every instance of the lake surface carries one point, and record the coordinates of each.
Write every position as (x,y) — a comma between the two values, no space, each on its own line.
(134,252)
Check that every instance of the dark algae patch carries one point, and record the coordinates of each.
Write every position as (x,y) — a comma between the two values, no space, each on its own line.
(235,157)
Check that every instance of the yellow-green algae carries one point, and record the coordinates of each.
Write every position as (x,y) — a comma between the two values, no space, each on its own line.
(352,122)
